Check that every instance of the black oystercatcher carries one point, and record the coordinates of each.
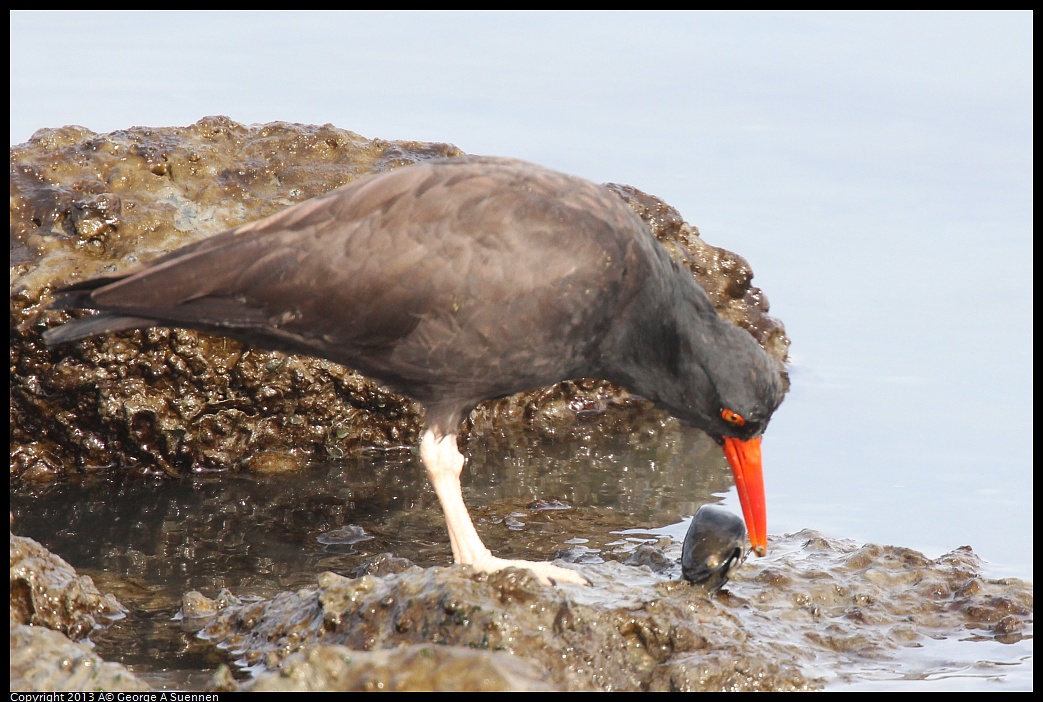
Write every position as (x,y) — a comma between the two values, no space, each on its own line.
(460,280)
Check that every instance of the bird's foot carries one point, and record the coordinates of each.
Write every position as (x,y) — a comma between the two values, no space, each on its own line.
(547,573)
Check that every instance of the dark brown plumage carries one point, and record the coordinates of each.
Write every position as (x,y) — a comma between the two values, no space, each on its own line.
(456,281)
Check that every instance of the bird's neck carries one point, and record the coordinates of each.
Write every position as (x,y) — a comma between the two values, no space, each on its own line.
(655,348)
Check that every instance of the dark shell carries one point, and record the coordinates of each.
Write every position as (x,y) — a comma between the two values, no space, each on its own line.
(715,544)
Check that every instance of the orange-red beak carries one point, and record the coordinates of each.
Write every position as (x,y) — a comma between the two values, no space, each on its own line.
(745,459)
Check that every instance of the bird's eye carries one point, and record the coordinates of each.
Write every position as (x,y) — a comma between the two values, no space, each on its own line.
(732,418)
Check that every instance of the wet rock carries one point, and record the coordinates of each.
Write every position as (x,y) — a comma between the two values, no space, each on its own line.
(43,660)
(197,610)
(46,591)
(780,620)
(406,669)
(726,671)
(384,564)
(652,558)
(50,606)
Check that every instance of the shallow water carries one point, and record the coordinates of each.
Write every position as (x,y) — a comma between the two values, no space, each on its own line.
(262,532)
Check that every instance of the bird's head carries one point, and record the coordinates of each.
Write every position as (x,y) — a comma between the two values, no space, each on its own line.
(730,390)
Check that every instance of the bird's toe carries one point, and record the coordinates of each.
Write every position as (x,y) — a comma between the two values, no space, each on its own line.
(547,573)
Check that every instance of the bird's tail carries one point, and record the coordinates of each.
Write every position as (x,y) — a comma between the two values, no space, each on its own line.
(93,326)
(78,296)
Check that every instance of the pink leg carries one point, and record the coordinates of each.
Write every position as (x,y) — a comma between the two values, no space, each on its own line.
(444,464)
